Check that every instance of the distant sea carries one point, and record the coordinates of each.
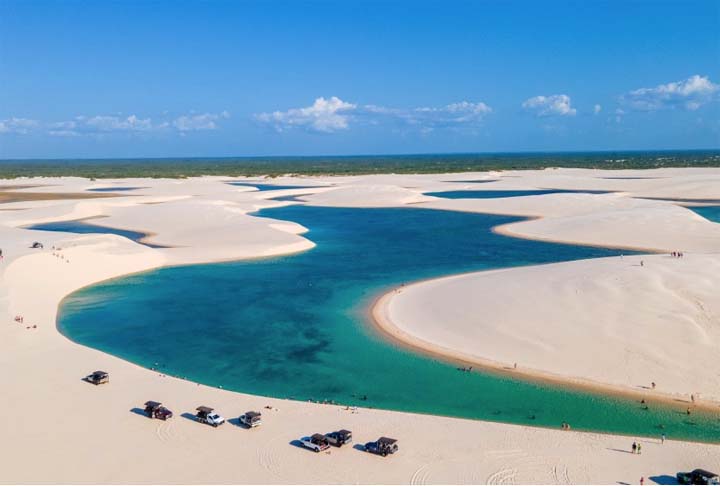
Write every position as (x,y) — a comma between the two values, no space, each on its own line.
(346,165)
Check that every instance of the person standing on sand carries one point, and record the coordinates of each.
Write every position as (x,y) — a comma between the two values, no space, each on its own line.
(662,439)
(634,448)
(642,480)
(639,449)
(642,263)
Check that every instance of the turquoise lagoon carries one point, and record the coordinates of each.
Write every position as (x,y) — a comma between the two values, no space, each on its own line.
(711,213)
(297,326)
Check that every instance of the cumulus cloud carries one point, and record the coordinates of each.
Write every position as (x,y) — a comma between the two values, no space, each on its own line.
(20,126)
(106,124)
(110,124)
(597,109)
(553,105)
(324,115)
(463,113)
(204,121)
(333,114)
(689,94)
(63,129)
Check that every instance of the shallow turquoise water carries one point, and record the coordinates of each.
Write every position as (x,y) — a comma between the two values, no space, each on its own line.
(296,326)
(475,194)
(711,213)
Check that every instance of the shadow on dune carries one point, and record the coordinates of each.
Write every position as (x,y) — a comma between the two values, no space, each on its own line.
(188,416)
(139,411)
(663,479)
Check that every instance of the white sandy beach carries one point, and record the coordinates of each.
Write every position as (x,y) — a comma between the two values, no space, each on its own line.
(659,322)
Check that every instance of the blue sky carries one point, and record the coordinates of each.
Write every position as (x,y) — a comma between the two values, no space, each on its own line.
(215,78)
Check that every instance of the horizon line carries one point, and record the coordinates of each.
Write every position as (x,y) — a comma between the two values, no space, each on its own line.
(350,156)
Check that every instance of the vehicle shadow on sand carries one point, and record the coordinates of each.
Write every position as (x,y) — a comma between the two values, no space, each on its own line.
(139,411)
(189,416)
(663,479)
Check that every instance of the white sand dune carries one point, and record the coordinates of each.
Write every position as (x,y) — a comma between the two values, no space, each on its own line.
(652,323)
(57,429)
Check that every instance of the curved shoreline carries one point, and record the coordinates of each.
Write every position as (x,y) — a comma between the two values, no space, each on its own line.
(504,229)
(381,322)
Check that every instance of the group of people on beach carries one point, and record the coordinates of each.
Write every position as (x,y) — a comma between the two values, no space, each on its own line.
(21,320)
(565,426)
(636,448)
(56,253)
(677,254)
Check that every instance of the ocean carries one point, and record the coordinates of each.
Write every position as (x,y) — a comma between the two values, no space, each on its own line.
(357,164)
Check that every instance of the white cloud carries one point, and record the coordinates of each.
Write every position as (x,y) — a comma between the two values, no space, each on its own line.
(109,124)
(333,114)
(64,133)
(553,105)
(21,126)
(453,115)
(690,94)
(205,121)
(597,109)
(64,125)
(102,123)
(324,115)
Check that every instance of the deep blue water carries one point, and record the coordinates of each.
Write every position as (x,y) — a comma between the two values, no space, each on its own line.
(711,213)
(112,189)
(296,326)
(472,194)
(269,187)
(83,227)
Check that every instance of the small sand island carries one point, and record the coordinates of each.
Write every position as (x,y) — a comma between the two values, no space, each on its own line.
(641,326)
